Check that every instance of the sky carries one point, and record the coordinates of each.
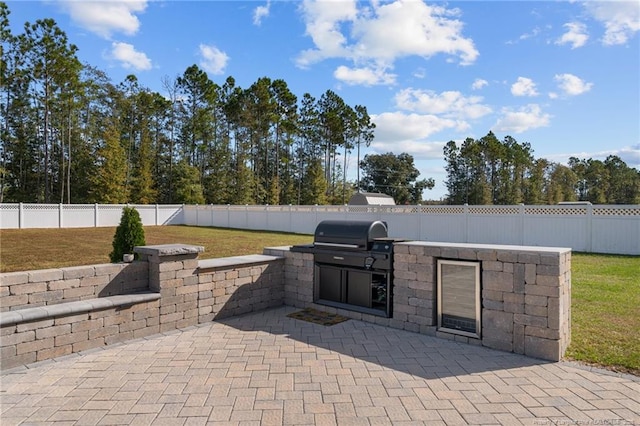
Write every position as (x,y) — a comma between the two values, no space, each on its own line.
(563,76)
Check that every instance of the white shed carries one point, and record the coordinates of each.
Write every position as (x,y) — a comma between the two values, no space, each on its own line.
(371,199)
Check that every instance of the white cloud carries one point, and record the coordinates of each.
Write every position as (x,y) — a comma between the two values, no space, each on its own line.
(534,33)
(392,127)
(523,119)
(451,104)
(363,76)
(479,83)
(323,20)
(261,12)
(621,19)
(418,149)
(420,73)
(213,59)
(106,17)
(375,37)
(129,57)
(524,87)
(572,85)
(576,35)
(629,154)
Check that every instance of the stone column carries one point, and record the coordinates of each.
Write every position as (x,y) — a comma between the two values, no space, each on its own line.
(173,273)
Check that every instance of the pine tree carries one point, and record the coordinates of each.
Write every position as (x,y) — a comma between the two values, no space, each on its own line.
(143,191)
(314,187)
(109,183)
(188,189)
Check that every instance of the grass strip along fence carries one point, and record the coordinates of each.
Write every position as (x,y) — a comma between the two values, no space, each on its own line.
(605,288)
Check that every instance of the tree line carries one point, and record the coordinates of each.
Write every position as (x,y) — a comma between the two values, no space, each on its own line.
(491,171)
(71,135)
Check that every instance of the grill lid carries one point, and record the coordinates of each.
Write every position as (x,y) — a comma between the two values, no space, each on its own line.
(348,234)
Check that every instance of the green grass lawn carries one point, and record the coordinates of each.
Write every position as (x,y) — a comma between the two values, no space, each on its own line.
(605,314)
(28,249)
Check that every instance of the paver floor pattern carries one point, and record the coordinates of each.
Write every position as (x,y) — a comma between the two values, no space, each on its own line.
(265,368)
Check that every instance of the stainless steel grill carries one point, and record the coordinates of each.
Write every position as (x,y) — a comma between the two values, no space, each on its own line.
(353,265)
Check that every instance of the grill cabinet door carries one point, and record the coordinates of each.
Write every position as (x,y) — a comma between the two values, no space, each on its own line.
(359,288)
(329,283)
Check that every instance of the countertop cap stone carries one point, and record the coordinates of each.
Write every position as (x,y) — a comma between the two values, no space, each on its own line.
(168,249)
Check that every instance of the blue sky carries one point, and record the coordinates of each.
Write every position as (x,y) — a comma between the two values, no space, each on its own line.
(562,76)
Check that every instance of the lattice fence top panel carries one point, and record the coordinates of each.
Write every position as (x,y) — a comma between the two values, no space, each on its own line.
(361,209)
(278,208)
(442,209)
(556,210)
(79,207)
(494,210)
(302,208)
(113,206)
(616,211)
(41,207)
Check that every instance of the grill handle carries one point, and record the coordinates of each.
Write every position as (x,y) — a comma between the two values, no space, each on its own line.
(351,246)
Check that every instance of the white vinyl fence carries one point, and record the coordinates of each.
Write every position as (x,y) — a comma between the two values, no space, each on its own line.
(20,216)
(585,228)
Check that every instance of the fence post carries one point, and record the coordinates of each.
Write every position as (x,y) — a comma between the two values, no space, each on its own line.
(60,215)
(20,216)
(466,222)
(521,212)
(95,215)
(589,224)
(156,215)
(419,224)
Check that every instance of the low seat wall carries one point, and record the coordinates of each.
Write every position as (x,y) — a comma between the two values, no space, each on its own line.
(37,334)
(55,312)
(28,289)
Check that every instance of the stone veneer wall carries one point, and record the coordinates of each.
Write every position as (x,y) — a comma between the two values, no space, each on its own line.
(28,289)
(525,296)
(195,291)
(526,293)
(191,292)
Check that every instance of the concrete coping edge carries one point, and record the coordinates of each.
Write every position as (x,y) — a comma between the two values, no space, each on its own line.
(76,307)
(240,261)
(168,249)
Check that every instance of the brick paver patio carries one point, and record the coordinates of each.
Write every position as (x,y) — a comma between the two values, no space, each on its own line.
(266,368)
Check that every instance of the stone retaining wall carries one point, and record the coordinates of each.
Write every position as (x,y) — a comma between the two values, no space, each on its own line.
(526,296)
(33,341)
(190,292)
(19,290)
